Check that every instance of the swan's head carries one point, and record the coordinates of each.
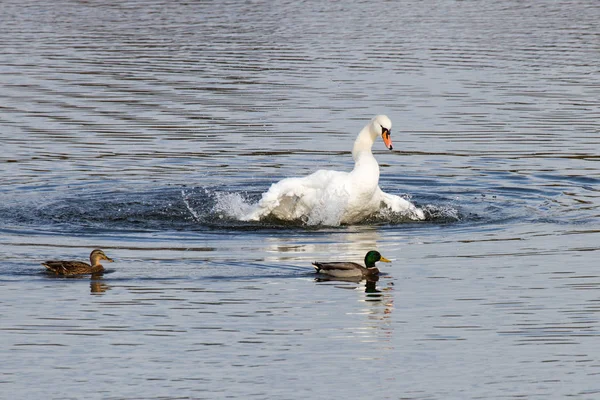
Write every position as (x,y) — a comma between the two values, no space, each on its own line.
(381,125)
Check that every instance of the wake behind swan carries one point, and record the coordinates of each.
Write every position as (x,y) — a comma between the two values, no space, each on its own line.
(336,197)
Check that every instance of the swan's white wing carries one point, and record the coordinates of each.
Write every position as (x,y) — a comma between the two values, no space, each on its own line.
(295,198)
(399,205)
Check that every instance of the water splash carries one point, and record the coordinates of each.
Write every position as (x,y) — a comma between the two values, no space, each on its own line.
(231,205)
(445,213)
(185,197)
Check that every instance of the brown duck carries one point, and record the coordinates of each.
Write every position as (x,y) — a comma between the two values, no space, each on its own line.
(78,267)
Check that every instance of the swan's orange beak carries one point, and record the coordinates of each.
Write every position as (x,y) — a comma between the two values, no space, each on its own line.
(387,139)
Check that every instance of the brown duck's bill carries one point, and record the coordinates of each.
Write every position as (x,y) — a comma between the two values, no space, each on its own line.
(384,259)
(109,259)
(387,139)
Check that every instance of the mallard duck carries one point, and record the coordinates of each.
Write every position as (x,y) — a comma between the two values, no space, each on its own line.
(345,269)
(78,267)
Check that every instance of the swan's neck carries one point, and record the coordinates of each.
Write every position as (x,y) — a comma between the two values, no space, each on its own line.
(364,143)
(366,169)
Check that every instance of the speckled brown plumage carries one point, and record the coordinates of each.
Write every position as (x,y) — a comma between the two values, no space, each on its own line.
(60,267)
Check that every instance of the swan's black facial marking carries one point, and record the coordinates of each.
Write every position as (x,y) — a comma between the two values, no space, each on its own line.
(385,131)
(385,134)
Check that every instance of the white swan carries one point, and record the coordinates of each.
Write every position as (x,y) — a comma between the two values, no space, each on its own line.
(334,197)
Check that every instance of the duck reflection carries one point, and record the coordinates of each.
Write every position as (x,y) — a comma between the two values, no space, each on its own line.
(370,283)
(98,285)
(373,294)
(371,287)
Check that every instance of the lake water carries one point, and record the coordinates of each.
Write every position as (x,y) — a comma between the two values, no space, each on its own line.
(141,127)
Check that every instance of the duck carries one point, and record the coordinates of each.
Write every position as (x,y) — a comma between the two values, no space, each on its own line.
(346,269)
(77,267)
(329,197)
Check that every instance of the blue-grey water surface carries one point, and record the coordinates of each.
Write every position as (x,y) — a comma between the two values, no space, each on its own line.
(141,127)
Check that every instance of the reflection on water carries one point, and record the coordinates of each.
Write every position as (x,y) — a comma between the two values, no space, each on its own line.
(141,127)
(348,244)
(97,283)
(369,284)
(98,286)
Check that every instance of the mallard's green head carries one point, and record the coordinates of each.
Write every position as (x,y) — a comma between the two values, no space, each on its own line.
(372,257)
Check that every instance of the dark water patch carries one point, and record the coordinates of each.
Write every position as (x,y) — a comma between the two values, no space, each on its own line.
(173,209)
(143,211)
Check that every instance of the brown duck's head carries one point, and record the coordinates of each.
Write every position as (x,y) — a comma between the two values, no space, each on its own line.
(97,255)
